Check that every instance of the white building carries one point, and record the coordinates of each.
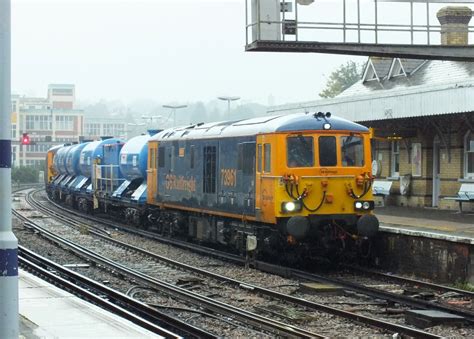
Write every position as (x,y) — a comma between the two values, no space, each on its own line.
(48,121)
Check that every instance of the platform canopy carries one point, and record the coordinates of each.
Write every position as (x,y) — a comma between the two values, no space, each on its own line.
(417,29)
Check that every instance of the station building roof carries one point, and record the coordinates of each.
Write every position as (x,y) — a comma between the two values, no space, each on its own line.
(400,88)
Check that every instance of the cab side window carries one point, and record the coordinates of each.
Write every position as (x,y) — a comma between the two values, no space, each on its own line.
(161,157)
(267,155)
(259,158)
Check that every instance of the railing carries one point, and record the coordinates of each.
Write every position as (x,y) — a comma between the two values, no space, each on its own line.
(106,178)
(404,22)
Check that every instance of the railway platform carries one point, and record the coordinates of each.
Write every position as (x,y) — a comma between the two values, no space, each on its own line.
(429,243)
(431,223)
(49,312)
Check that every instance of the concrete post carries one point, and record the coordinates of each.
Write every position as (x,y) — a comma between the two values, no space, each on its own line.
(8,242)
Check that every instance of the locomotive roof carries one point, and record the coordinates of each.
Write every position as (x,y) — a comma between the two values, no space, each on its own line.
(249,127)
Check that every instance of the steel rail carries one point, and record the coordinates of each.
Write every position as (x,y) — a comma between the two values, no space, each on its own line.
(284,297)
(70,280)
(256,320)
(289,272)
(393,297)
(402,279)
(396,328)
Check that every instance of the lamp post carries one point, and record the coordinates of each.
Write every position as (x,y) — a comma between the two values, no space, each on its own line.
(149,119)
(174,108)
(8,242)
(134,130)
(53,125)
(228,99)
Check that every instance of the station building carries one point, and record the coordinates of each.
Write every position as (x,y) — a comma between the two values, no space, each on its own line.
(423,115)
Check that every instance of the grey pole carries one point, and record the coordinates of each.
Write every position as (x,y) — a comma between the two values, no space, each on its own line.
(173,111)
(228,99)
(8,242)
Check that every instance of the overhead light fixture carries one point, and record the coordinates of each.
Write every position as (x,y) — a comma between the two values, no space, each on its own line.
(305,2)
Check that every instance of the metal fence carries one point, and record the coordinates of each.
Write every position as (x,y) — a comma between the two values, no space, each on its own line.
(404,22)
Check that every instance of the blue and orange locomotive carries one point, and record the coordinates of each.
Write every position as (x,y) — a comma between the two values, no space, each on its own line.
(299,183)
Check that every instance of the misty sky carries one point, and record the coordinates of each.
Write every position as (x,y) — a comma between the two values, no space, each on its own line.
(165,50)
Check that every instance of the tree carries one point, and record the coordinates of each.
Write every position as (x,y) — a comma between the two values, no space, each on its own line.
(25,174)
(199,113)
(342,78)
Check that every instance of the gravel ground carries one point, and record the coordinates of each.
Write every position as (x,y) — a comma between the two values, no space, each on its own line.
(315,321)
(169,305)
(346,300)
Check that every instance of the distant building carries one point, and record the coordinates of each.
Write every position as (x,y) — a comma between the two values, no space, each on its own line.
(48,121)
(96,127)
(62,96)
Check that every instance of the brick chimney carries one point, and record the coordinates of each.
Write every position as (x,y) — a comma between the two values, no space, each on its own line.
(455,25)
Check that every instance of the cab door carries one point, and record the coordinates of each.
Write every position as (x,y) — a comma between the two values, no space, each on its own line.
(265,180)
(152,172)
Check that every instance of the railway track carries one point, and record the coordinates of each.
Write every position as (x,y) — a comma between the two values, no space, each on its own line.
(395,328)
(311,277)
(410,281)
(107,298)
(256,320)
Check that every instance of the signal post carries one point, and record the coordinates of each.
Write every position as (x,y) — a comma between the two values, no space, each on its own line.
(8,242)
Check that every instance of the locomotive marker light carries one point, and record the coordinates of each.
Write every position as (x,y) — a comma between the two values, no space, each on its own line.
(325,116)
(364,205)
(8,242)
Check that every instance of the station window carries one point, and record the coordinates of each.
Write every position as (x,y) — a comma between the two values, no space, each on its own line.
(161,157)
(267,153)
(352,151)
(469,155)
(327,151)
(299,151)
(395,159)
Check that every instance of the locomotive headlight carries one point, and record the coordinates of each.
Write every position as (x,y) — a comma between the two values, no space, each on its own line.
(327,126)
(291,206)
(364,205)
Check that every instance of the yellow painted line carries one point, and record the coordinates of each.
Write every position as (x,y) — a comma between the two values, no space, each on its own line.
(408,224)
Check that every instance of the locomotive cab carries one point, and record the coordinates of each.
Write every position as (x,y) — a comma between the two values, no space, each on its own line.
(321,183)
